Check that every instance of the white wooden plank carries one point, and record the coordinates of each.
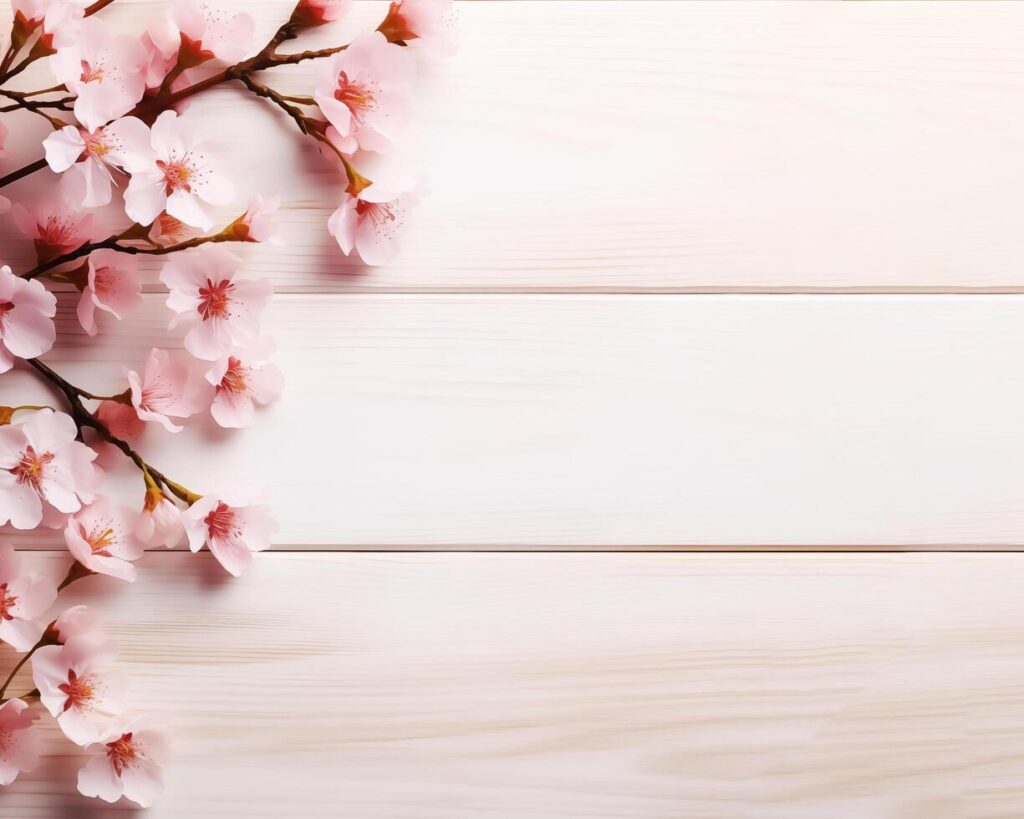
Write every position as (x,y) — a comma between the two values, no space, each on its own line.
(596,421)
(674,146)
(647,686)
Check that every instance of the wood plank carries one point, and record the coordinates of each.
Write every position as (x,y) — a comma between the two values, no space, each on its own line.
(651,146)
(595,421)
(647,686)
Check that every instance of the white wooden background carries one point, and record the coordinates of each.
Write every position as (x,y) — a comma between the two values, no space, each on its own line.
(689,276)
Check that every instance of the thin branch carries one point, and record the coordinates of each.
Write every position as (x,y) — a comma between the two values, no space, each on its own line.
(83,418)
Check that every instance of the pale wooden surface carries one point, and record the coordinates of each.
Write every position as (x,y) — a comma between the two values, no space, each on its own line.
(536,371)
(523,686)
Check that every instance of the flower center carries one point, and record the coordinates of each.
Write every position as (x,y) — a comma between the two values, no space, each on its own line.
(100,538)
(220,522)
(214,299)
(103,281)
(357,96)
(55,231)
(31,469)
(234,379)
(122,753)
(7,602)
(382,216)
(5,308)
(177,175)
(91,73)
(79,691)
(94,144)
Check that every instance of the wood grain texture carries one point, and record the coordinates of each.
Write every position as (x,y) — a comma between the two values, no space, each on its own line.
(660,146)
(595,421)
(724,687)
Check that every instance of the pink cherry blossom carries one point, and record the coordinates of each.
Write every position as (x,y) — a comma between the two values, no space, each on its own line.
(231,531)
(364,92)
(160,523)
(423,24)
(183,176)
(101,537)
(45,474)
(210,33)
(112,285)
(257,224)
(78,685)
(89,158)
(55,228)
(167,388)
(126,762)
(309,13)
(242,379)
(80,623)
(370,222)
(57,18)
(24,599)
(19,744)
(220,311)
(160,43)
(166,230)
(103,71)
(122,420)
(26,318)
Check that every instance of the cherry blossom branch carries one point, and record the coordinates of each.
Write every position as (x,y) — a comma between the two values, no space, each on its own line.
(83,418)
(150,108)
(113,243)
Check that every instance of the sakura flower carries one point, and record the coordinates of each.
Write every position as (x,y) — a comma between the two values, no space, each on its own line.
(183,175)
(81,624)
(210,33)
(425,24)
(167,389)
(24,598)
(103,71)
(26,318)
(125,762)
(231,531)
(309,13)
(160,43)
(160,523)
(54,228)
(369,223)
(112,285)
(101,537)
(257,223)
(166,230)
(220,311)
(78,686)
(58,19)
(242,379)
(122,420)
(364,92)
(89,156)
(19,745)
(45,473)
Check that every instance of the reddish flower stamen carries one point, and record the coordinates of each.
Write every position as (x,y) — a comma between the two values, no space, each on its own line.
(99,539)
(7,602)
(356,96)
(378,213)
(235,377)
(5,308)
(78,690)
(122,753)
(177,176)
(89,73)
(220,522)
(214,299)
(31,469)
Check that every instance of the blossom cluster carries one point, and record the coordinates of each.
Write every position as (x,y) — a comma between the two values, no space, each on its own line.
(123,145)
